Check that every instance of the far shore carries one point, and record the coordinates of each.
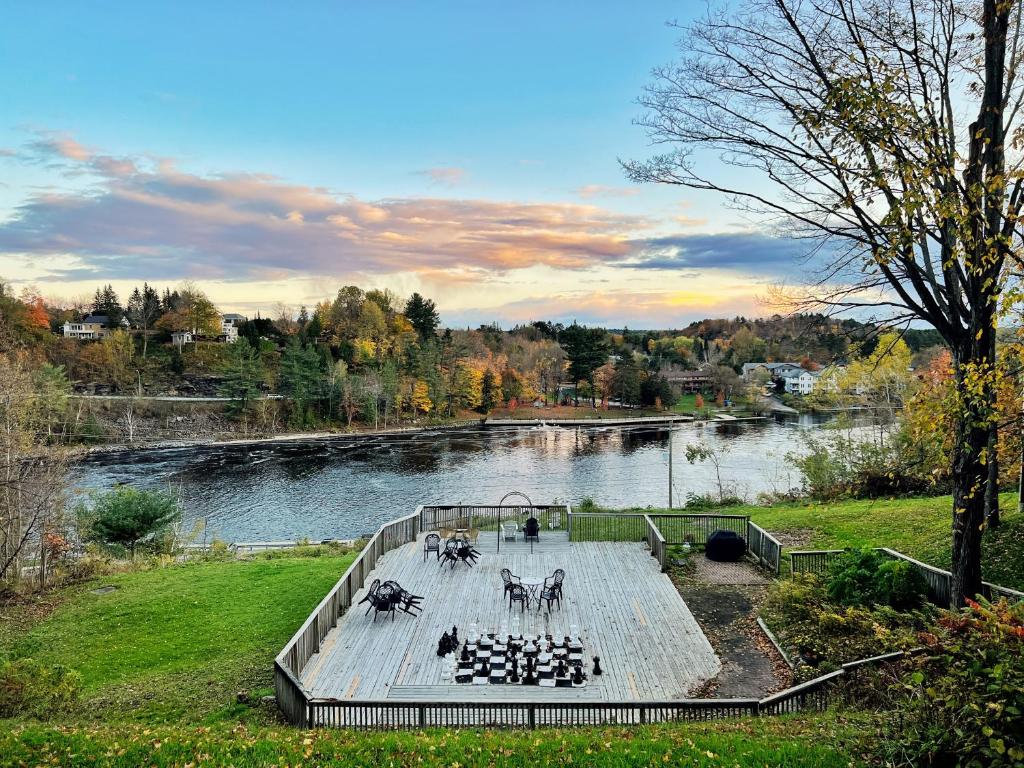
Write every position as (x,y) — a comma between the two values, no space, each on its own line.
(537,418)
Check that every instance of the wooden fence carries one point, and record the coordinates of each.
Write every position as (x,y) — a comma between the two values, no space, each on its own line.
(939,581)
(655,541)
(696,528)
(765,547)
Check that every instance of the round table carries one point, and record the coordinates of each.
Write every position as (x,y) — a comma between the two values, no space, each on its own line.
(532,584)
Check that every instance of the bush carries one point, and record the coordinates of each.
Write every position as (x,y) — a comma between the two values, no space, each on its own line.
(826,635)
(29,687)
(963,703)
(865,577)
(127,516)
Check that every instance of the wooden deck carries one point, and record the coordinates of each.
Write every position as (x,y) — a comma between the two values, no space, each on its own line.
(628,612)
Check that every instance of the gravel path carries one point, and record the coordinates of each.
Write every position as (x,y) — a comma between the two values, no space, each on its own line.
(724,598)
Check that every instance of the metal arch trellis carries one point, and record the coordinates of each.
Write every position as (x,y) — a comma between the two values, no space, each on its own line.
(520,494)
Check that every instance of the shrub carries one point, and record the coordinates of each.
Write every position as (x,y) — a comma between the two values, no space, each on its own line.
(29,687)
(127,516)
(865,577)
(826,635)
(963,703)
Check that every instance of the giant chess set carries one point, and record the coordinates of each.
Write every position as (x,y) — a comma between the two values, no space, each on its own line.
(503,658)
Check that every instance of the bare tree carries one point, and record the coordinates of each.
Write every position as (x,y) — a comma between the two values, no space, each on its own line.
(875,129)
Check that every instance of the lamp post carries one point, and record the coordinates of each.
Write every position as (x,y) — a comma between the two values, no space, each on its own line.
(670,425)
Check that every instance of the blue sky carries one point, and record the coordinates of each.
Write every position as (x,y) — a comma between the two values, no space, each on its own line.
(139,142)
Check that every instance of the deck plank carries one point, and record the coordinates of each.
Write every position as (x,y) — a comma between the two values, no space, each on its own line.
(628,612)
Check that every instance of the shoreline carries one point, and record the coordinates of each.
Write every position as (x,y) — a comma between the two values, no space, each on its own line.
(298,437)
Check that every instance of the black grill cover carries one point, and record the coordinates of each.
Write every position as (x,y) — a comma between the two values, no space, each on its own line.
(725,547)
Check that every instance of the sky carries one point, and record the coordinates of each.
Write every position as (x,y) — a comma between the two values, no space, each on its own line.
(274,152)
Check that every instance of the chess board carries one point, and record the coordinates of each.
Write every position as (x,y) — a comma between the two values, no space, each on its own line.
(490,661)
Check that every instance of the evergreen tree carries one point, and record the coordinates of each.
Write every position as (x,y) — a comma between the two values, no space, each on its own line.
(422,313)
(587,350)
(105,302)
(301,377)
(490,391)
(242,371)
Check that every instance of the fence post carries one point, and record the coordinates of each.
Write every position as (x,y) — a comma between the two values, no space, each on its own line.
(531,716)
(422,715)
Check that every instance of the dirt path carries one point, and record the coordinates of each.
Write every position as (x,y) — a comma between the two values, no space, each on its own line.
(724,598)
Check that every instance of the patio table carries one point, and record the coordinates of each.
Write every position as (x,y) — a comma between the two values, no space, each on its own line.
(533,585)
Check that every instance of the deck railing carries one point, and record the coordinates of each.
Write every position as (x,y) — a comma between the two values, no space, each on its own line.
(811,696)
(940,589)
(655,541)
(662,530)
(488,517)
(304,643)
(765,547)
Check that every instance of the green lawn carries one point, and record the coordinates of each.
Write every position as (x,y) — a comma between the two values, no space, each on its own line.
(176,643)
(821,741)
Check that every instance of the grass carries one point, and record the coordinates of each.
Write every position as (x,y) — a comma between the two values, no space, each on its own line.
(175,644)
(822,741)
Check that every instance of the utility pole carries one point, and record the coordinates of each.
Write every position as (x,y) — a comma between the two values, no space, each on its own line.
(670,425)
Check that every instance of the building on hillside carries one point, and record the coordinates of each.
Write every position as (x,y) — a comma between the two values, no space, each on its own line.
(775,371)
(181,338)
(229,323)
(91,327)
(688,382)
(802,383)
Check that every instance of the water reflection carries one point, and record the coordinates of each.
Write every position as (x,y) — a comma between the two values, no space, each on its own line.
(345,487)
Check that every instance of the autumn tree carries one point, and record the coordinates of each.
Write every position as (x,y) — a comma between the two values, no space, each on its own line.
(875,130)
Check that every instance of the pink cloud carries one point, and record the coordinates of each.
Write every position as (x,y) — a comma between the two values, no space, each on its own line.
(142,220)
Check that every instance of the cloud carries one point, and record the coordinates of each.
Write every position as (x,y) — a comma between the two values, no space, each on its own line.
(447,176)
(146,219)
(751,252)
(589,191)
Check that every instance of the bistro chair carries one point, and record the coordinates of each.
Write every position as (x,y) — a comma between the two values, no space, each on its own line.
(518,594)
(450,553)
(550,592)
(509,579)
(432,544)
(404,599)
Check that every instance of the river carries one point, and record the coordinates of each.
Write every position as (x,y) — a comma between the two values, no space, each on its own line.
(344,487)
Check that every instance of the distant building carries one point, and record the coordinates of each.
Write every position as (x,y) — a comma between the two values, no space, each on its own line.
(776,371)
(92,327)
(181,338)
(688,382)
(802,383)
(229,326)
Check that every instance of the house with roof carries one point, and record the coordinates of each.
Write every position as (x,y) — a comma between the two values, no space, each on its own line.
(229,323)
(802,383)
(90,327)
(775,371)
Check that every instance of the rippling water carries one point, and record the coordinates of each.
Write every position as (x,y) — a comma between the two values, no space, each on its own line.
(346,487)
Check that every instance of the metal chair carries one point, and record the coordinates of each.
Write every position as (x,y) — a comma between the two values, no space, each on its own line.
(551,592)
(518,594)
(450,553)
(404,599)
(509,580)
(432,544)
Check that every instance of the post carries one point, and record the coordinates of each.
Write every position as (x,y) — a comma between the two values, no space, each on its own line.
(670,464)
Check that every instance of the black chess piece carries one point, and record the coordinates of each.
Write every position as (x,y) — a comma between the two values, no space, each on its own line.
(597,666)
(577,677)
(560,670)
(465,652)
(514,663)
(485,669)
(444,645)
(531,677)
(455,637)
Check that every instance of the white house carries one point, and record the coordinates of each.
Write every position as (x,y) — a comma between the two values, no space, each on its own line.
(229,323)
(181,338)
(774,370)
(92,327)
(802,383)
